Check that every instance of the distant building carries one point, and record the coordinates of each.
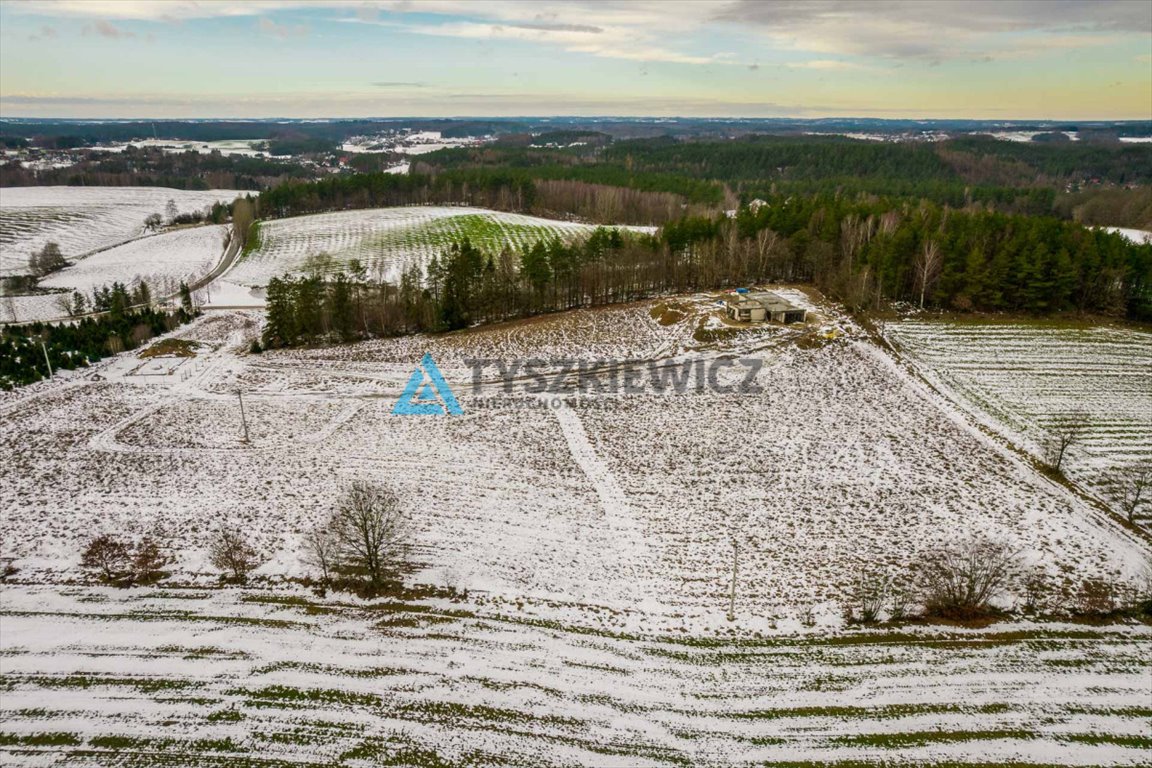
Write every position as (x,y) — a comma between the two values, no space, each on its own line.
(746,307)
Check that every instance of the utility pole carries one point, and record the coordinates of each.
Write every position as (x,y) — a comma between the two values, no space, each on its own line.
(243,418)
(46,360)
(732,593)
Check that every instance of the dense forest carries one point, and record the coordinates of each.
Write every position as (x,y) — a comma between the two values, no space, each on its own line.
(1010,177)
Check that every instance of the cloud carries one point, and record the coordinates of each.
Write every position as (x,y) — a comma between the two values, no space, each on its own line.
(932,30)
(386,84)
(833,65)
(283,31)
(45,33)
(560,27)
(608,43)
(108,30)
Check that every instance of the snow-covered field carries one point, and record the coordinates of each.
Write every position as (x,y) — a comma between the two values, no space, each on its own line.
(245,147)
(419,143)
(84,219)
(1023,380)
(161,260)
(387,240)
(256,678)
(592,537)
(1138,236)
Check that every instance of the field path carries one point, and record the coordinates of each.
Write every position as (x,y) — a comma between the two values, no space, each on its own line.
(635,555)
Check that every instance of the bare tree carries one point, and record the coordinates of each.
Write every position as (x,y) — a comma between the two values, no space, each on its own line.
(371,530)
(1132,486)
(1067,432)
(322,552)
(961,580)
(232,554)
(108,556)
(927,266)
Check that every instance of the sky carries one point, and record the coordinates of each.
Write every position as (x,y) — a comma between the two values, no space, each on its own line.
(981,59)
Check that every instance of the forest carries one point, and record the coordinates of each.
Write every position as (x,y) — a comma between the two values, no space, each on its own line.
(864,253)
(27,350)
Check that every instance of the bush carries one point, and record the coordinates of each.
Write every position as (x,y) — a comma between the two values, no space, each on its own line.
(960,581)
(870,593)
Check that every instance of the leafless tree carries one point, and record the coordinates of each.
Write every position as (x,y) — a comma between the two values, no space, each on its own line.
(108,556)
(960,580)
(322,552)
(372,532)
(1132,486)
(232,554)
(927,266)
(1067,432)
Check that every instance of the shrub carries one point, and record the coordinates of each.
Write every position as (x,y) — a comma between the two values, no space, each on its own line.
(870,593)
(148,562)
(960,581)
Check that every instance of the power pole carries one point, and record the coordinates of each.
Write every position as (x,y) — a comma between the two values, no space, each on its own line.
(46,360)
(243,418)
(732,592)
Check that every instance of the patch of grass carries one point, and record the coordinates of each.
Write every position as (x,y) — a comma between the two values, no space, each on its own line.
(225,716)
(669,313)
(1135,742)
(883,712)
(453,711)
(171,348)
(40,740)
(924,738)
(203,652)
(142,684)
(284,693)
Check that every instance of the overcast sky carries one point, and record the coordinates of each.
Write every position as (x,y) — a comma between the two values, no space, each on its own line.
(1023,59)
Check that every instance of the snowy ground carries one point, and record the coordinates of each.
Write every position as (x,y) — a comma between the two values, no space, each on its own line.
(593,538)
(1138,236)
(1023,380)
(84,219)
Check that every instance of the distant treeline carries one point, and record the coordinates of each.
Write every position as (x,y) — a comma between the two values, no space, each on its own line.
(66,134)
(497,188)
(154,167)
(77,344)
(1010,177)
(864,254)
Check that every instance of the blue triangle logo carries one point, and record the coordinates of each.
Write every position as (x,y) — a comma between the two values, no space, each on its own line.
(427,394)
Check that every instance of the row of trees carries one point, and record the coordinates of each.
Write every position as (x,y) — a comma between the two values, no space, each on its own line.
(363,546)
(597,197)
(964,580)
